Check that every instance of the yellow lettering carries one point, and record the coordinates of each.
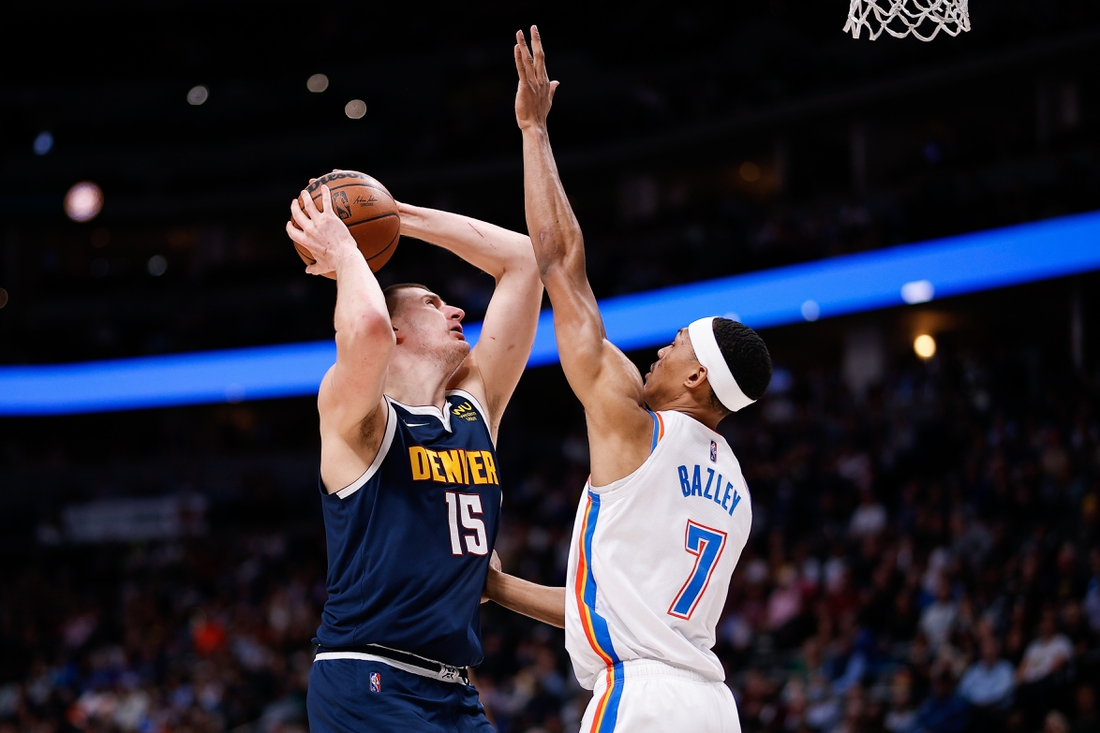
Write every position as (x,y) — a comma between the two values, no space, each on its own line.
(476,467)
(465,466)
(490,467)
(419,459)
(433,459)
(452,466)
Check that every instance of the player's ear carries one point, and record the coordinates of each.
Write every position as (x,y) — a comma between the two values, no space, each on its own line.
(697,378)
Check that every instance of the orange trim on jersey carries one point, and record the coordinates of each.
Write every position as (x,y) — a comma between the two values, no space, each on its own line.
(658,430)
(582,576)
(595,627)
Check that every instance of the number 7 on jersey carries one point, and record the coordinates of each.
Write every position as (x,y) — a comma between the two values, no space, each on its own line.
(707,545)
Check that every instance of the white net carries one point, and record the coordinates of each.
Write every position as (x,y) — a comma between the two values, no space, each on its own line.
(920,18)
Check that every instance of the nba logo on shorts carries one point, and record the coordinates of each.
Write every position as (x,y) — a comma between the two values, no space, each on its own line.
(375,682)
(713,452)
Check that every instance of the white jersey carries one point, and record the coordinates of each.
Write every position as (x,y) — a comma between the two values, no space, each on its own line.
(652,556)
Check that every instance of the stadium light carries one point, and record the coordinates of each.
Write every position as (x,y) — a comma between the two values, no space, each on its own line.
(925,346)
(83,201)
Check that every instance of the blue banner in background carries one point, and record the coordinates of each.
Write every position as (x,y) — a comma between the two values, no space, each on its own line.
(837,286)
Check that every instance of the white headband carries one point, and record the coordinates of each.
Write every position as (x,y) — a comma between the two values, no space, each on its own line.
(709,355)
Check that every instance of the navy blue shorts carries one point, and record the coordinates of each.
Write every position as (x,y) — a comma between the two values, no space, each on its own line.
(355,695)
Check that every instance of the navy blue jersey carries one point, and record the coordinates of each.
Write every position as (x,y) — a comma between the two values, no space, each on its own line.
(409,542)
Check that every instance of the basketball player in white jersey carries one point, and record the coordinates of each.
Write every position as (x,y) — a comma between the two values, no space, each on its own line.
(666,512)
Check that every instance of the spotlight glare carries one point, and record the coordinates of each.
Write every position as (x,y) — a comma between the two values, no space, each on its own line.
(43,143)
(157,265)
(750,172)
(84,201)
(811,311)
(197,95)
(355,109)
(317,83)
(925,346)
(3,297)
(918,291)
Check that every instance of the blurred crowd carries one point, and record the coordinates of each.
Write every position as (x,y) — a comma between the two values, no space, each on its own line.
(924,559)
(929,558)
(196,637)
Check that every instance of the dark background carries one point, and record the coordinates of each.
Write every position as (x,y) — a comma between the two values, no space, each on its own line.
(695,140)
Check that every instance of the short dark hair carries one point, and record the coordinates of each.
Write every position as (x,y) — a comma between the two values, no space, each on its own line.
(390,294)
(746,355)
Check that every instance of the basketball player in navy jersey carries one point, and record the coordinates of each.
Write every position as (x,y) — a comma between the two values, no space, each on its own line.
(666,512)
(410,487)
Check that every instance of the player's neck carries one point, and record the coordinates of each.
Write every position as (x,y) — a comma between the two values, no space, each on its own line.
(685,405)
(416,382)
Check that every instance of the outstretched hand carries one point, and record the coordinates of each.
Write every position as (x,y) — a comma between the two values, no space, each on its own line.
(536,92)
(321,232)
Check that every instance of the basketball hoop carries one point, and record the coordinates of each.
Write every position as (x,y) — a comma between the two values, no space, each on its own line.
(900,18)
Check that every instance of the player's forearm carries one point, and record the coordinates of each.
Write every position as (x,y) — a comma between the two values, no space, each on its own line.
(559,249)
(490,248)
(555,233)
(539,602)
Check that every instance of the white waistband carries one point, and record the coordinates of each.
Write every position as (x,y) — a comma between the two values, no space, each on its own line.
(639,668)
(447,674)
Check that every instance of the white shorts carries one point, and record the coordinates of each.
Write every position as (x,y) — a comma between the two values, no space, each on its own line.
(653,697)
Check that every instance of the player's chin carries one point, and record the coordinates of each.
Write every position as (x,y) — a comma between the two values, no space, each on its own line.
(460,350)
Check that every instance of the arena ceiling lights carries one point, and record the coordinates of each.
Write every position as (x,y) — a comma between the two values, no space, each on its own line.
(837,286)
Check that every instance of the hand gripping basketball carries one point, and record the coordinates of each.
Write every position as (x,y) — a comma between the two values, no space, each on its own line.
(321,233)
(365,207)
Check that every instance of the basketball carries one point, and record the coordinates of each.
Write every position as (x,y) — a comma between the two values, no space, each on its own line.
(368,210)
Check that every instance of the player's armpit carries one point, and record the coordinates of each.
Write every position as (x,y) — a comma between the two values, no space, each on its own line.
(346,455)
(539,602)
(605,381)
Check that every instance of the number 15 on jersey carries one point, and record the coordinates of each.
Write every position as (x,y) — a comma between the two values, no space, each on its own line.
(465,510)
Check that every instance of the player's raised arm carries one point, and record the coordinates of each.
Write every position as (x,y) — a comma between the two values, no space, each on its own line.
(351,391)
(606,382)
(493,368)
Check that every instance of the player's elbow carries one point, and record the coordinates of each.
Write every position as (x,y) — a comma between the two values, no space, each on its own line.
(378,328)
(368,329)
(566,270)
(520,260)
